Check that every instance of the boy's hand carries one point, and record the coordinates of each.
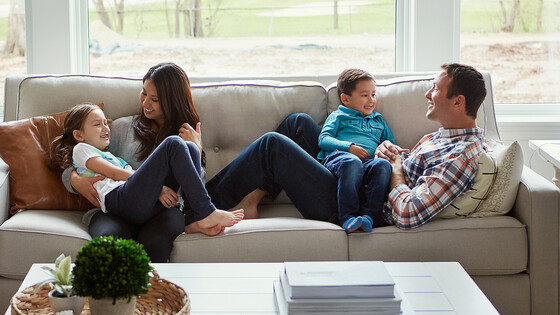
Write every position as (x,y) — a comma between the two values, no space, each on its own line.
(358,151)
(389,151)
(168,197)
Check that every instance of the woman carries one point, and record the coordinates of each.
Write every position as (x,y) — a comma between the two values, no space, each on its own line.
(167,109)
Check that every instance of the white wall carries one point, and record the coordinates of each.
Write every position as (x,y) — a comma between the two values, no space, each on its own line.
(56,37)
(427,34)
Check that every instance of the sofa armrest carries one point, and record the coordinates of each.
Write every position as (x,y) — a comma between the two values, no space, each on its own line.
(537,205)
(4,191)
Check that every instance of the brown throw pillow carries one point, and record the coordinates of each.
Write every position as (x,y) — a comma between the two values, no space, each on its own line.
(24,146)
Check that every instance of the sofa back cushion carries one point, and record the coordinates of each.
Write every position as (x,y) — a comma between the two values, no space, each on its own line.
(236,113)
(42,95)
(403,105)
(233,113)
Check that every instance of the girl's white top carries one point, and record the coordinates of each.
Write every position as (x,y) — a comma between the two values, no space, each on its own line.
(83,152)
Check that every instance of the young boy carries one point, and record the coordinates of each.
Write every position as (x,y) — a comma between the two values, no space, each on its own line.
(348,141)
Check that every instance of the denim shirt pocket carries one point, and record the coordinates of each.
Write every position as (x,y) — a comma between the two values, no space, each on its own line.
(351,124)
(375,128)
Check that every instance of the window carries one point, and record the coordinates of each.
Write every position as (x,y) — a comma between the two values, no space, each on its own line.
(242,37)
(12,34)
(517,41)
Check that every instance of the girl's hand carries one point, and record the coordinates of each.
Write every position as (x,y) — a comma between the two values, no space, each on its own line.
(187,133)
(84,185)
(168,197)
(358,151)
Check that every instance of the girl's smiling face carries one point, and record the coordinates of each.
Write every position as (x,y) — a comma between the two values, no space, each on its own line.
(95,130)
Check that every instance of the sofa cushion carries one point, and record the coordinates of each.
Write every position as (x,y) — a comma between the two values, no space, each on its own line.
(24,146)
(45,94)
(483,246)
(395,97)
(472,199)
(402,102)
(502,194)
(39,236)
(236,113)
(265,240)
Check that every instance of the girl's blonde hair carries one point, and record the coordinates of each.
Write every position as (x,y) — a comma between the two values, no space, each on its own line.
(62,146)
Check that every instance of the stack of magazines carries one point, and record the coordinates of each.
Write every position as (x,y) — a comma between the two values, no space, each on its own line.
(349,287)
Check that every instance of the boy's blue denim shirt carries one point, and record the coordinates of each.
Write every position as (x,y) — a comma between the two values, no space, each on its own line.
(346,126)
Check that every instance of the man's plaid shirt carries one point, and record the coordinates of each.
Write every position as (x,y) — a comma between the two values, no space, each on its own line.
(441,167)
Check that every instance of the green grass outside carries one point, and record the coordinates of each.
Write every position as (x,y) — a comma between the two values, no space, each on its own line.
(238,18)
(481,16)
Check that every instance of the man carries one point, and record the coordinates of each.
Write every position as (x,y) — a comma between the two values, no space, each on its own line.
(443,164)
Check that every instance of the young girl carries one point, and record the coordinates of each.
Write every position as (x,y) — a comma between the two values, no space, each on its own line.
(136,196)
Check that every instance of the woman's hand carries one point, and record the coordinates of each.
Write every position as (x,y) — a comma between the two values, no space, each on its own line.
(84,185)
(187,133)
(168,197)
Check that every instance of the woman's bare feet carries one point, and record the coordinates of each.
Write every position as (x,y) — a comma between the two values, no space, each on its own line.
(211,231)
(223,218)
(250,203)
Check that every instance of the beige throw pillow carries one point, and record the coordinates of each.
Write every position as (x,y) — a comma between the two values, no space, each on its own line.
(472,199)
(502,194)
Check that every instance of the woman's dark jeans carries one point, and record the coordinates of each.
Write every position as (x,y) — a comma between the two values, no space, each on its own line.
(135,211)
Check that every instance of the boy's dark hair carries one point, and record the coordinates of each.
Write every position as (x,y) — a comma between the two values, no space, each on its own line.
(348,79)
(466,81)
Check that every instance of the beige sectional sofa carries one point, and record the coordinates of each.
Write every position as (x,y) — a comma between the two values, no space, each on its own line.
(513,257)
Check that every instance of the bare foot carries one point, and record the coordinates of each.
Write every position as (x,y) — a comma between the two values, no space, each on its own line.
(211,231)
(250,203)
(221,217)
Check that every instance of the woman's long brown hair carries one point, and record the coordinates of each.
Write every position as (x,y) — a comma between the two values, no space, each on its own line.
(175,98)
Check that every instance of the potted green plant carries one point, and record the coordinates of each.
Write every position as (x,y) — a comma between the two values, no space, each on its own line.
(111,272)
(62,297)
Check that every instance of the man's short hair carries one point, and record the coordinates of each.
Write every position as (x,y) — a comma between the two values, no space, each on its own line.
(348,79)
(466,81)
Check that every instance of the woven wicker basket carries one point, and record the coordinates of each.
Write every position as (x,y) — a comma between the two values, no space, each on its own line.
(164,297)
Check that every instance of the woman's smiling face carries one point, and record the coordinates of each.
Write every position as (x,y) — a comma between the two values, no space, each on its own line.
(150,103)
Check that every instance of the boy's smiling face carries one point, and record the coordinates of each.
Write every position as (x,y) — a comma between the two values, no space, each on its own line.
(362,99)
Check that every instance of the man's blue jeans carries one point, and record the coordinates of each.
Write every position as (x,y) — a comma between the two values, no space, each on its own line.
(275,162)
(362,185)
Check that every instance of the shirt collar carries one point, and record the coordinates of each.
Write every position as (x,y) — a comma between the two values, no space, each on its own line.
(450,133)
(356,113)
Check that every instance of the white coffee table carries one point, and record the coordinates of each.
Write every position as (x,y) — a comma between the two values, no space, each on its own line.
(549,150)
(246,288)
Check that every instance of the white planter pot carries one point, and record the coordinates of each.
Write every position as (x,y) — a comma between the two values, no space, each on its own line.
(105,306)
(74,303)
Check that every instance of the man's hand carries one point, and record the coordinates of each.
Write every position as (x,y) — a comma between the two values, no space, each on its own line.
(389,151)
(168,197)
(358,151)
(398,176)
(84,185)
(187,133)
